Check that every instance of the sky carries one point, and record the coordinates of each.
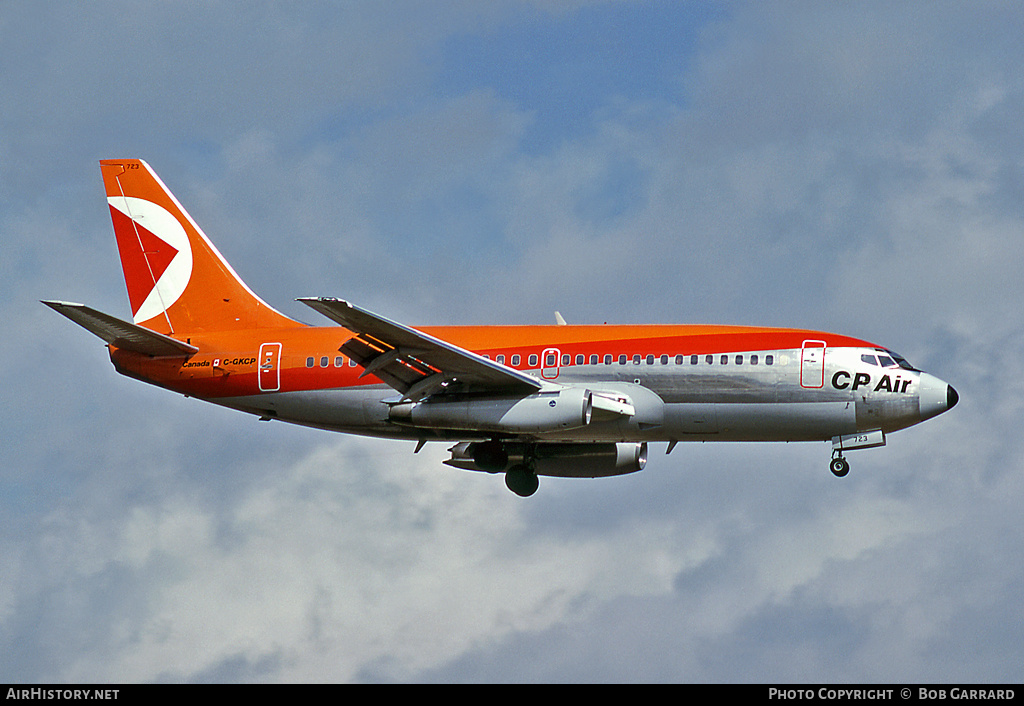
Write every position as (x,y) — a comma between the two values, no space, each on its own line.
(852,167)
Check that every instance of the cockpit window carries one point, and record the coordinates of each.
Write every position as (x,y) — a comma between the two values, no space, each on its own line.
(901,361)
(890,358)
(886,362)
(869,359)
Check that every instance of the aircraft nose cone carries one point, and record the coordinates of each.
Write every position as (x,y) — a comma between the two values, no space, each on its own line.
(936,396)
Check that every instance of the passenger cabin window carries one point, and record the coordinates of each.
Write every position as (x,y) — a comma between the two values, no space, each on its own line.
(533,359)
(338,361)
(636,359)
(739,360)
(608,359)
(709,359)
(622,359)
(580,359)
(593,359)
(566,358)
(309,362)
(769,360)
(650,359)
(324,361)
(753,359)
(679,360)
(694,359)
(549,359)
(500,359)
(515,359)
(725,360)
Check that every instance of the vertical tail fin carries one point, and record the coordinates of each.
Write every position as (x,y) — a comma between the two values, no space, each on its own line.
(177,280)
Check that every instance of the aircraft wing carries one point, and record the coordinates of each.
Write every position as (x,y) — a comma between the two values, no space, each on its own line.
(123,334)
(414,363)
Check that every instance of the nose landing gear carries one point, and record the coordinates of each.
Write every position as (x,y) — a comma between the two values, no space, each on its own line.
(861,440)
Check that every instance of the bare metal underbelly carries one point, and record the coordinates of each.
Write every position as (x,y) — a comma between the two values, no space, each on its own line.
(363,412)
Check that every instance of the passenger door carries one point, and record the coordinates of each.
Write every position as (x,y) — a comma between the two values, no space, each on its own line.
(812,364)
(270,367)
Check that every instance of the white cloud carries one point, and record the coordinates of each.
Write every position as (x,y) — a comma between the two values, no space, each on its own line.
(359,559)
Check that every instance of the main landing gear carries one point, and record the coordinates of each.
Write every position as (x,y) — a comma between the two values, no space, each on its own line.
(521,480)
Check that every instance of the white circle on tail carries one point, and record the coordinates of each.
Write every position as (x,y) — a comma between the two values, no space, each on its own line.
(159,222)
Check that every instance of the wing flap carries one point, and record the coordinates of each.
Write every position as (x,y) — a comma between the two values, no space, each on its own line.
(415,363)
(123,334)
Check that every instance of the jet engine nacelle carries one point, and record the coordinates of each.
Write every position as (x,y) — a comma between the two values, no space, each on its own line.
(554,410)
(580,460)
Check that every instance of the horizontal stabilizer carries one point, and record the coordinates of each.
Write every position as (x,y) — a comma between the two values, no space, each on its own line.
(123,334)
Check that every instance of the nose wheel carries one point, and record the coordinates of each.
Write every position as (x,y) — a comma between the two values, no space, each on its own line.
(839,466)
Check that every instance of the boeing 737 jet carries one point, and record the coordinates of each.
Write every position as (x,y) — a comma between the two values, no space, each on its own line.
(524,401)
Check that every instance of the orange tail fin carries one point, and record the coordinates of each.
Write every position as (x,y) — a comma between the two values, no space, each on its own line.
(177,280)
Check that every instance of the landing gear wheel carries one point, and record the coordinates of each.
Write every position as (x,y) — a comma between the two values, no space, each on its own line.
(521,481)
(839,466)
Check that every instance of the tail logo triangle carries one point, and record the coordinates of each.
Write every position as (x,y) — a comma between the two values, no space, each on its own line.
(155,254)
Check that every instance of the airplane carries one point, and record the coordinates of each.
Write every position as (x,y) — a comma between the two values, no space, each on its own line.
(524,401)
